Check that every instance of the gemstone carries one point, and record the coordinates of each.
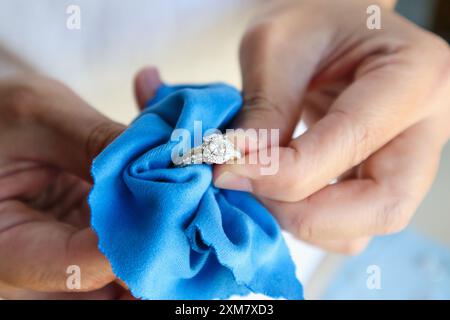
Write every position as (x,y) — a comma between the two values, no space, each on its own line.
(218,149)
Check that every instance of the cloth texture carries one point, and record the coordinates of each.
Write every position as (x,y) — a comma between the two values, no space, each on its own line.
(167,231)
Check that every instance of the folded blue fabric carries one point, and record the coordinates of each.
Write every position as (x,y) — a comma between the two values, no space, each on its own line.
(167,231)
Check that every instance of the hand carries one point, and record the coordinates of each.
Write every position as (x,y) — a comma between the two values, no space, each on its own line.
(48,139)
(376,103)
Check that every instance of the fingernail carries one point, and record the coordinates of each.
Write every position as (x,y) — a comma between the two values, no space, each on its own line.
(229,180)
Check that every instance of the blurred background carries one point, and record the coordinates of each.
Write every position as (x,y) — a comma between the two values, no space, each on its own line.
(193,44)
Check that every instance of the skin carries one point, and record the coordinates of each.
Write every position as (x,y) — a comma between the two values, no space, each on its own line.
(49,137)
(376,103)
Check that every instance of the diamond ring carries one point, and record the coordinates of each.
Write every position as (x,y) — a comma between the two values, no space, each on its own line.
(215,149)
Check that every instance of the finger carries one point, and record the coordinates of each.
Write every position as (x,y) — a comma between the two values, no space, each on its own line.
(53,125)
(40,250)
(146,82)
(392,184)
(10,63)
(274,82)
(359,122)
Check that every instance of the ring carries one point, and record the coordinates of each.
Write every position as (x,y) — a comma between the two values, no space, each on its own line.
(215,149)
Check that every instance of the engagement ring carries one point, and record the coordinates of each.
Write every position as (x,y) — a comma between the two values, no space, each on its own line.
(215,149)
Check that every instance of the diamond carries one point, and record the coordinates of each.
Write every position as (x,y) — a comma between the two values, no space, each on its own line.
(218,149)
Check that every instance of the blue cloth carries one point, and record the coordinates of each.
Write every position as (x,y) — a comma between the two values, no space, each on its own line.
(167,231)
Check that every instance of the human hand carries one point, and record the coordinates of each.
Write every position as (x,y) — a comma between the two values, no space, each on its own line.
(48,139)
(376,103)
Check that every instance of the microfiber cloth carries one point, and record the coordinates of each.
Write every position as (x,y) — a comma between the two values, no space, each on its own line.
(167,231)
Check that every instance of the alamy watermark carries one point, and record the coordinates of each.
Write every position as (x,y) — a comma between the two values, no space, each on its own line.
(373,281)
(373,21)
(73,21)
(73,281)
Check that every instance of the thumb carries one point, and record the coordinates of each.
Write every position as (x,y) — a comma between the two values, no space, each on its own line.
(374,109)
(58,127)
(275,74)
(52,125)
(146,83)
(76,135)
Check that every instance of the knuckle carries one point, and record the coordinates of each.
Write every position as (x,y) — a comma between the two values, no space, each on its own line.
(392,217)
(258,102)
(360,144)
(292,190)
(357,138)
(19,98)
(100,136)
(259,107)
(303,227)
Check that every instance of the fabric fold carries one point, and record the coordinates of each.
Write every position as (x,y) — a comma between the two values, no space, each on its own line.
(167,231)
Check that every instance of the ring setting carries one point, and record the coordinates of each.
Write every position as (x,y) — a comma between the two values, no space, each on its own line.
(215,149)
